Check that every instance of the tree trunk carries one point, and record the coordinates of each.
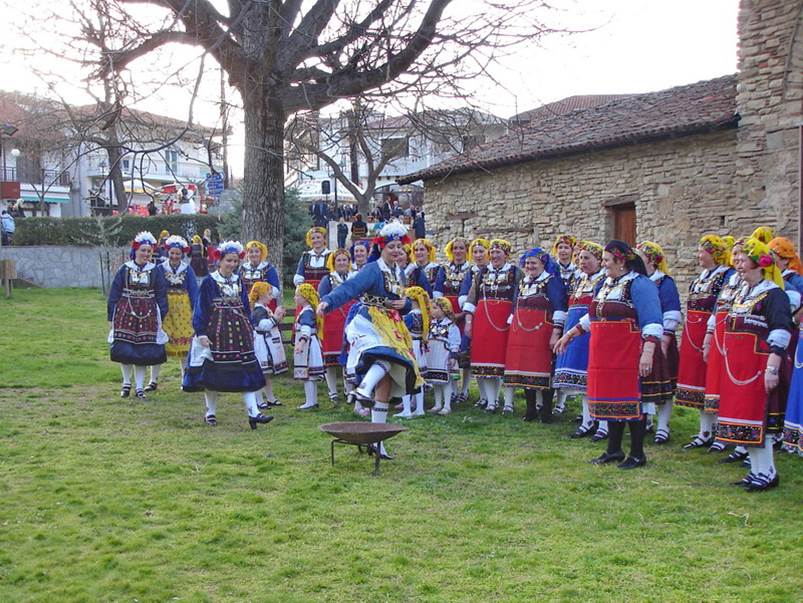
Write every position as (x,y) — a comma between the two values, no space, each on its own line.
(263,184)
(116,177)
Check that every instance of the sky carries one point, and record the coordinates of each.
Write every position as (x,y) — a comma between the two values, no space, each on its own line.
(622,46)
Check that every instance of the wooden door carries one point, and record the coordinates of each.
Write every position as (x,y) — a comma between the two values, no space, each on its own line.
(624,223)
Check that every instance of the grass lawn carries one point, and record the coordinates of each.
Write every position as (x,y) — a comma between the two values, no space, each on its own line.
(103,499)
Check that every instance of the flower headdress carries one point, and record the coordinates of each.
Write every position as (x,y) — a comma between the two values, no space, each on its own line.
(421,297)
(569,239)
(313,230)
(785,249)
(716,247)
(309,293)
(445,305)
(621,251)
(177,242)
(263,249)
(392,231)
(655,254)
(591,247)
(448,249)
(501,244)
(759,252)
(143,238)
(430,248)
(227,247)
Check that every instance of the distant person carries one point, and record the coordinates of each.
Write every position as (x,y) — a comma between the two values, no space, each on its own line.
(342,233)
(359,229)
(319,214)
(151,208)
(16,210)
(384,211)
(419,226)
(9,227)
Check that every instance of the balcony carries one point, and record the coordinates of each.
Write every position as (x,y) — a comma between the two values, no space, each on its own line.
(35,176)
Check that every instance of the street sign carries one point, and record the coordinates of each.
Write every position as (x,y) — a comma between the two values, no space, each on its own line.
(214,184)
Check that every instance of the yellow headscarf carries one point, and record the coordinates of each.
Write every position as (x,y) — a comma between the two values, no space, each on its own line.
(444,304)
(765,234)
(655,254)
(430,248)
(330,261)
(258,289)
(570,240)
(717,247)
(263,249)
(310,232)
(448,249)
(309,293)
(421,297)
(164,234)
(785,249)
(759,252)
(196,240)
(408,249)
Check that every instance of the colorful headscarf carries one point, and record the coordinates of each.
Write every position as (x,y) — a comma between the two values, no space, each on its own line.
(540,253)
(309,293)
(591,247)
(717,247)
(448,249)
(445,305)
(759,252)
(311,231)
(330,261)
(621,251)
(430,248)
(765,234)
(365,243)
(263,249)
(392,231)
(785,249)
(501,244)
(569,239)
(258,289)
(655,254)
(421,297)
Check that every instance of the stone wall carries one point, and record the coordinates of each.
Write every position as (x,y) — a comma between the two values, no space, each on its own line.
(770,102)
(62,266)
(681,188)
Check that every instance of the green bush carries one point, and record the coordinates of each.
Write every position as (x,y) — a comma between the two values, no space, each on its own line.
(296,224)
(74,231)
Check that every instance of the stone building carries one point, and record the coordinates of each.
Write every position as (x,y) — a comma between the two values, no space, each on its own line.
(716,156)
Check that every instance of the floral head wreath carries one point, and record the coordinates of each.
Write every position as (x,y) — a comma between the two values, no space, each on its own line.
(392,231)
(570,240)
(621,251)
(591,247)
(263,249)
(420,297)
(319,229)
(177,242)
(330,261)
(143,238)
(448,249)
(759,253)
(785,249)
(227,247)
(654,254)
(309,293)
(716,247)
(501,244)
(445,305)
(430,248)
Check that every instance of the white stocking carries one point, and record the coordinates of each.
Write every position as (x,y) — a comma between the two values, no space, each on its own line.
(379,414)
(331,380)
(496,386)
(446,392)
(587,420)
(374,375)
(466,381)
(268,390)
(603,427)
(419,401)
(664,413)
(437,391)
(407,400)
(127,368)
(707,420)
(250,401)
(211,402)
(139,376)
(509,392)
(562,394)
(155,370)
(311,392)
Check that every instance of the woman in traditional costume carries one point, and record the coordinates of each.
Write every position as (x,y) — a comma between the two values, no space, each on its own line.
(381,345)
(307,354)
(312,264)
(198,258)
(360,250)
(479,258)
(714,257)
(753,392)
(665,374)
(222,357)
(563,252)
(626,327)
(443,345)
(182,292)
(488,306)
(571,366)
(256,267)
(423,271)
(339,265)
(268,345)
(135,310)
(536,325)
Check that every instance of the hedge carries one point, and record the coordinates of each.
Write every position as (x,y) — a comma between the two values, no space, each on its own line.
(85,231)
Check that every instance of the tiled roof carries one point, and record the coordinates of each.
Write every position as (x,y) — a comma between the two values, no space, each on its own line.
(565,105)
(681,111)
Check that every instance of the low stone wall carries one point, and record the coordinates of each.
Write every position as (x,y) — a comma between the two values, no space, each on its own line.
(54,266)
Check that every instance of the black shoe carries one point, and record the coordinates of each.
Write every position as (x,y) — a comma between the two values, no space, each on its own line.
(263,405)
(698,442)
(141,394)
(125,391)
(151,387)
(260,418)
(609,457)
(211,420)
(762,482)
(275,402)
(578,419)
(481,403)
(632,462)
(737,456)
(582,432)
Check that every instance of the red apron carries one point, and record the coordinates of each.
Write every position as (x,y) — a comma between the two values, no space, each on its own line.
(614,391)
(333,327)
(528,360)
(714,368)
(489,337)
(691,372)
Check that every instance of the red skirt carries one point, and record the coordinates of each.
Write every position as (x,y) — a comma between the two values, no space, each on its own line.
(691,372)
(333,327)
(528,360)
(614,390)
(714,369)
(489,333)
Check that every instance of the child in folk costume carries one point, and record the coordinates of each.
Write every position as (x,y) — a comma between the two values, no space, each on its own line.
(182,291)
(448,283)
(753,390)
(268,345)
(714,257)
(571,366)
(339,265)
(536,324)
(307,354)
(256,268)
(417,323)
(423,271)
(666,373)
(222,357)
(443,344)
(136,307)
